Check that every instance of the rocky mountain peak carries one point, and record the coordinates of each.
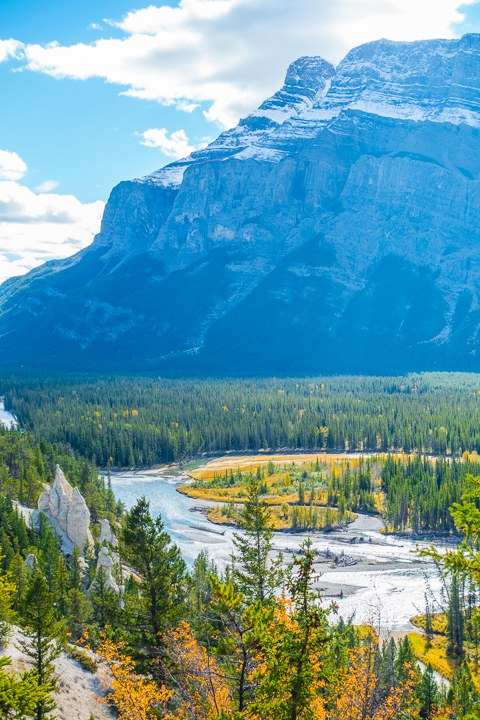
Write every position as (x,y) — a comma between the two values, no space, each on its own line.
(335,229)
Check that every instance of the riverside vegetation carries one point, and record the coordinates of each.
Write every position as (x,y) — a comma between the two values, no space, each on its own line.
(409,491)
(253,642)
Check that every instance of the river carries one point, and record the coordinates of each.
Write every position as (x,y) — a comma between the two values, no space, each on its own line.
(6,418)
(388,584)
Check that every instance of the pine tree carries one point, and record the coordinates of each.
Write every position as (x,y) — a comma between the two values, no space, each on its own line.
(428,693)
(43,639)
(75,580)
(18,576)
(464,690)
(105,602)
(203,567)
(301,494)
(428,620)
(61,584)
(148,549)
(255,574)
(79,612)
(405,660)
(6,615)
(19,696)
(455,620)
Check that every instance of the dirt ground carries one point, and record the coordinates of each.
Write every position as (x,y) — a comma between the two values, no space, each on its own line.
(79,690)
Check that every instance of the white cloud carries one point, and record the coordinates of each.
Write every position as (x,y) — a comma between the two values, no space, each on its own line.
(47,186)
(95,26)
(12,166)
(10,48)
(232,54)
(35,227)
(176,146)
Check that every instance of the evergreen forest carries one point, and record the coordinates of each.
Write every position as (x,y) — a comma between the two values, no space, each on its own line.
(145,421)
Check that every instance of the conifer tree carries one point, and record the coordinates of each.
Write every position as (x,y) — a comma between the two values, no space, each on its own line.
(255,574)
(79,612)
(301,494)
(428,693)
(148,549)
(464,691)
(105,602)
(455,620)
(43,639)
(19,696)
(75,580)
(6,615)
(61,584)
(405,660)
(18,576)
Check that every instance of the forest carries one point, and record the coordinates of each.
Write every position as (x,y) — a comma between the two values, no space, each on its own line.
(251,642)
(144,421)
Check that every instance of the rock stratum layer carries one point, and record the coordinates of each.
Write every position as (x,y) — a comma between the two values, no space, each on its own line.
(336,229)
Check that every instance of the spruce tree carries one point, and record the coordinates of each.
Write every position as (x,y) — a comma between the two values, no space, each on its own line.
(43,638)
(455,620)
(75,580)
(464,690)
(428,693)
(105,602)
(405,661)
(301,494)
(255,574)
(79,612)
(148,549)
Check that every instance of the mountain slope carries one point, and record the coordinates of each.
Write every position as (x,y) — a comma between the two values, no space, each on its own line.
(336,229)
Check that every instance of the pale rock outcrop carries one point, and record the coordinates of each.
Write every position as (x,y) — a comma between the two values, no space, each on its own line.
(67,509)
(107,534)
(29,563)
(78,521)
(105,563)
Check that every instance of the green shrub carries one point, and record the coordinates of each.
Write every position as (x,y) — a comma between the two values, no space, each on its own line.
(83,658)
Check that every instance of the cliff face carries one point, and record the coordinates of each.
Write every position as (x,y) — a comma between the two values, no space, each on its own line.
(336,229)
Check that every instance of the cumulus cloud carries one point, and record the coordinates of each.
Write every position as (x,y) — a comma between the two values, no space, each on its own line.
(35,227)
(231,54)
(175,146)
(12,166)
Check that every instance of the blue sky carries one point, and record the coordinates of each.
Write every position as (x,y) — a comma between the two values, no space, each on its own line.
(82,82)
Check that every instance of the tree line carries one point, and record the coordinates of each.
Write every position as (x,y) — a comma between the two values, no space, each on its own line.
(143,421)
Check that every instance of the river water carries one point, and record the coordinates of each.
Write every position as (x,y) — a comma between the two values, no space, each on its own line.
(388,585)
(6,418)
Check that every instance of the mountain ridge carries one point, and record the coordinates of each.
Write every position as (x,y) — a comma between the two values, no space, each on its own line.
(343,213)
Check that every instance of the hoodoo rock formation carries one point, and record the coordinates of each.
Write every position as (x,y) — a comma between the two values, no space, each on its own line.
(105,563)
(67,509)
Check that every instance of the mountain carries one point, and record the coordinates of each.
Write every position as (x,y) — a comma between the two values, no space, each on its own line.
(334,230)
